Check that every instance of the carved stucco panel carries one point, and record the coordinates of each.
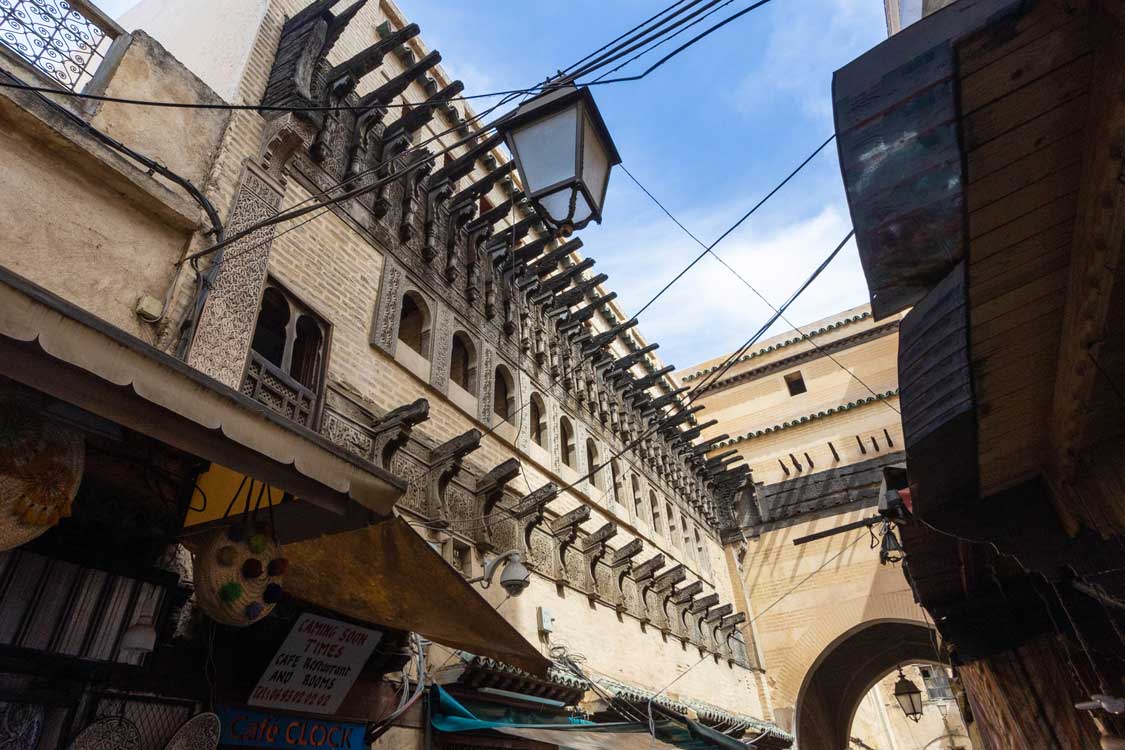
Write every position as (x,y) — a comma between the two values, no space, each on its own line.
(462,508)
(487,374)
(414,473)
(603,583)
(632,597)
(504,531)
(574,569)
(541,553)
(226,325)
(346,434)
(441,345)
(384,332)
(553,432)
(523,440)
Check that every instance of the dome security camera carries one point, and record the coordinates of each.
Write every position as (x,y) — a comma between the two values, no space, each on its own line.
(515,577)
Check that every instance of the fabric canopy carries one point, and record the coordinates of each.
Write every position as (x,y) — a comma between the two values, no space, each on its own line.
(387,574)
(671,732)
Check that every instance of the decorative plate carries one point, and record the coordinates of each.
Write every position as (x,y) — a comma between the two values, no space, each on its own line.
(110,733)
(197,733)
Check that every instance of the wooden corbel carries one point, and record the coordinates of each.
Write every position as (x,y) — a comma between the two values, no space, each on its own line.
(596,546)
(459,216)
(531,509)
(393,430)
(413,195)
(621,564)
(445,464)
(490,490)
(718,613)
(437,209)
(701,605)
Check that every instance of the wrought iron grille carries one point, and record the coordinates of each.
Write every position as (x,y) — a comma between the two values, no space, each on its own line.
(156,718)
(66,41)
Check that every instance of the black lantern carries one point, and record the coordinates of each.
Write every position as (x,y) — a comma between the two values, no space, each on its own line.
(890,550)
(909,697)
(564,154)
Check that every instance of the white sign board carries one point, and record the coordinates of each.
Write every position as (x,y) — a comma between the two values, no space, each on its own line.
(315,667)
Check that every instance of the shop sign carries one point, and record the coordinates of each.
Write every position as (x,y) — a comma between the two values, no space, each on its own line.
(315,667)
(245,727)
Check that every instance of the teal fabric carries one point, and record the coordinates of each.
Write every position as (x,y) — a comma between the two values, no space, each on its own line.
(450,715)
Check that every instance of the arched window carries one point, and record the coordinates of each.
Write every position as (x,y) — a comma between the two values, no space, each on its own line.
(566,442)
(592,462)
(503,394)
(654,506)
(270,332)
(414,323)
(287,356)
(638,500)
(536,421)
(671,515)
(307,346)
(463,362)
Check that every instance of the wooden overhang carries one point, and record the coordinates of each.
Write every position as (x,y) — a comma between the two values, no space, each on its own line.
(982,153)
(981,149)
(58,349)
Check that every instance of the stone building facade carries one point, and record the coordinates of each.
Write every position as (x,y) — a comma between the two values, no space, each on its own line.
(814,413)
(429,327)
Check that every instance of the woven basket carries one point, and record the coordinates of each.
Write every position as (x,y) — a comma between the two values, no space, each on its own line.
(220,564)
(41,465)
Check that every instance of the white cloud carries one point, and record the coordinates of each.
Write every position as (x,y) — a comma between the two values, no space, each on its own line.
(809,42)
(709,311)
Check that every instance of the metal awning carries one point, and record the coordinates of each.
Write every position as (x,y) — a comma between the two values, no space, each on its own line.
(388,574)
(668,730)
(54,347)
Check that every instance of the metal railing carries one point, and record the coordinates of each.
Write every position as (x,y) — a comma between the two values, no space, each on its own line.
(64,40)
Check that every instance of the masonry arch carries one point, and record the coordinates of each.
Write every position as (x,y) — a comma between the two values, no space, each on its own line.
(850,666)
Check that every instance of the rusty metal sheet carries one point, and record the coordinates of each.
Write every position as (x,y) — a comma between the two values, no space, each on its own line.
(387,574)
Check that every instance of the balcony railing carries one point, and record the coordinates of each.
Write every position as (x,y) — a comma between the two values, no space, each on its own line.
(65,41)
(268,384)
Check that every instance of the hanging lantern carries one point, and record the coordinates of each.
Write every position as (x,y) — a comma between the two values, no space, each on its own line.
(41,465)
(238,573)
(564,153)
(909,697)
(890,550)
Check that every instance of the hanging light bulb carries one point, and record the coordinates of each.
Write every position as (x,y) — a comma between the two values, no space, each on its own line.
(890,550)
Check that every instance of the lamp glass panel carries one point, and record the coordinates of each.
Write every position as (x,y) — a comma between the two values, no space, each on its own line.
(595,162)
(557,204)
(546,149)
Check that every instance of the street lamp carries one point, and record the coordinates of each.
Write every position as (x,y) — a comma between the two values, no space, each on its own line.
(909,697)
(564,153)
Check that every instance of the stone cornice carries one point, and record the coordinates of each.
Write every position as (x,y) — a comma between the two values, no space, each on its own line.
(809,418)
(782,344)
(818,350)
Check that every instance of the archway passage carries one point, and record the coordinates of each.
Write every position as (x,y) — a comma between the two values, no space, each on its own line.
(845,672)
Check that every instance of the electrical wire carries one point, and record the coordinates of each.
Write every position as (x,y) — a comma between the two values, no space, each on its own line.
(709,250)
(726,366)
(681,48)
(624,35)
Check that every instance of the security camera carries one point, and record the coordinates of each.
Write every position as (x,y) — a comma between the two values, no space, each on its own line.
(514,578)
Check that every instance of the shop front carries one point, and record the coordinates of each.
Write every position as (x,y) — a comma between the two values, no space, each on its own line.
(173,566)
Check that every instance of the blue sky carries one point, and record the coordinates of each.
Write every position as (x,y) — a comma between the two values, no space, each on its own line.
(709,133)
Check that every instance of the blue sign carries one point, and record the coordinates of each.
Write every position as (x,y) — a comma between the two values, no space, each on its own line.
(246,727)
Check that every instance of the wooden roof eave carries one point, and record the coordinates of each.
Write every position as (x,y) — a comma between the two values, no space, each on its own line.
(896,112)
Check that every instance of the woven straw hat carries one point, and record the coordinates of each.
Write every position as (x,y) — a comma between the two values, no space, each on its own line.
(41,465)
